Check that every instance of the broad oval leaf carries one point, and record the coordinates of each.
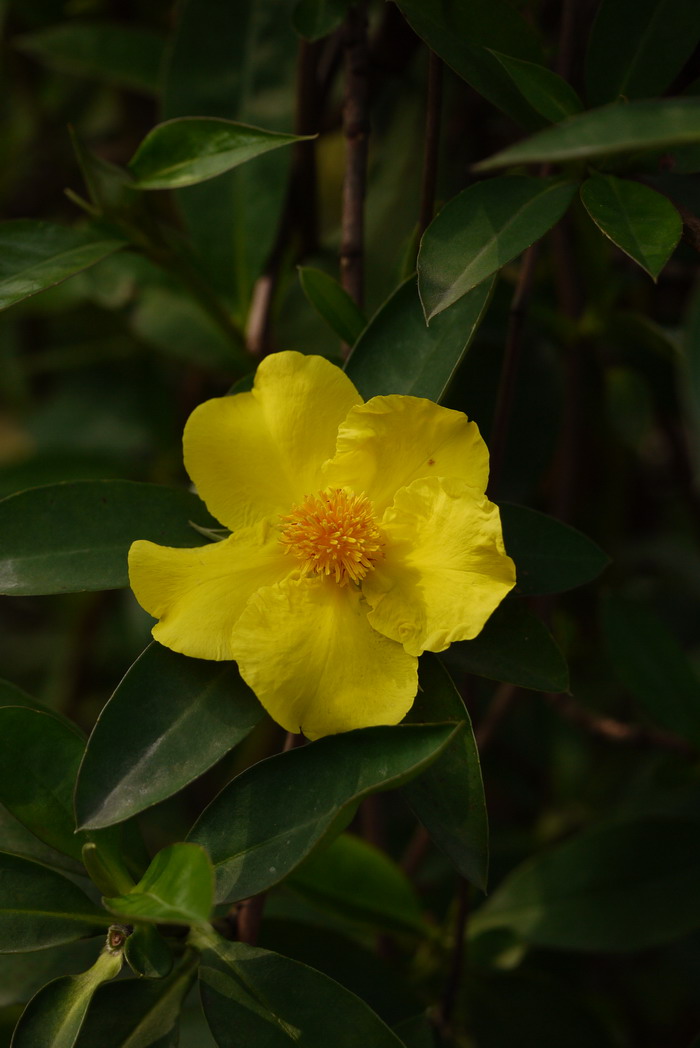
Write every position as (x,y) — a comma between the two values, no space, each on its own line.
(147,953)
(608,131)
(254,997)
(64,538)
(36,255)
(39,907)
(480,230)
(548,94)
(177,888)
(54,1017)
(448,798)
(174,717)
(550,556)
(622,886)
(332,302)
(399,353)
(640,221)
(299,797)
(192,149)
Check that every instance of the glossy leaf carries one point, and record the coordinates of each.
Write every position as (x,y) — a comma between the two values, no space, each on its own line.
(147,953)
(550,556)
(359,882)
(333,303)
(515,647)
(174,718)
(643,223)
(177,888)
(448,798)
(64,538)
(36,255)
(609,131)
(40,907)
(462,34)
(622,886)
(188,150)
(637,47)
(548,94)
(314,19)
(255,997)
(480,230)
(650,662)
(299,797)
(53,1018)
(399,353)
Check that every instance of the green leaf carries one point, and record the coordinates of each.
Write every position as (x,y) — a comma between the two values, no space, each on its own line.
(637,47)
(138,1014)
(173,717)
(399,353)
(314,19)
(39,907)
(177,888)
(188,150)
(550,556)
(23,974)
(622,886)
(36,255)
(359,882)
(64,538)
(649,661)
(147,953)
(480,230)
(609,131)
(301,797)
(643,223)
(515,647)
(548,94)
(11,695)
(462,34)
(255,997)
(53,1018)
(333,303)
(124,55)
(448,798)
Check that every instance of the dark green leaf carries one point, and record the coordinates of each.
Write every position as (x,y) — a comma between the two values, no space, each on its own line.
(358,881)
(11,695)
(254,997)
(23,974)
(118,54)
(448,798)
(333,303)
(314,19)
(39,907)
(37,255)
(548,94)
(637,47)
(64,538)
(480,230)
(623,886)
(17,839)
(185,151)
(643,223)
(550,557)
(652,665)
(515,647)
(177,888)
(399,353)
(609,131)
(147,953)
(174,717)
(302,796)
(462,33)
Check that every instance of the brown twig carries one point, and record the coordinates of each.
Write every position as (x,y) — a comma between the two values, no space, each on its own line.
(356,130)
(248,915)
(431,151)
(613,730)
(500,704)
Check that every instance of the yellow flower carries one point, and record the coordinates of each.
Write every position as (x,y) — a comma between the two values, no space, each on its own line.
(361,537)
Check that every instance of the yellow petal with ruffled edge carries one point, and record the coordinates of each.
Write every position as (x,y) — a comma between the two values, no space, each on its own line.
(306,649)
(199,594)
(445,569)
(389,442)
(254,455)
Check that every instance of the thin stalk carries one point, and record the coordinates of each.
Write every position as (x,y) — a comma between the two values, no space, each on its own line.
(449,997)
(356,131)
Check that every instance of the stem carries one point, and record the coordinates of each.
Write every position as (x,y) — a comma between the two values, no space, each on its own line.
(617,731)
(356,130)
(432,143)
(500,704)
(454,978)
(248,915)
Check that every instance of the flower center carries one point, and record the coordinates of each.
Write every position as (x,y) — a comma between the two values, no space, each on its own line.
(334,533)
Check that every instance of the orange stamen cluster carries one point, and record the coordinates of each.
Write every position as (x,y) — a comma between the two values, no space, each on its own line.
(334,533)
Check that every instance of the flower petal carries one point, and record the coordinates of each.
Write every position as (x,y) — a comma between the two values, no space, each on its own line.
(445,569)
(254,455)
(389,442)
(306,649)
(199,594)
